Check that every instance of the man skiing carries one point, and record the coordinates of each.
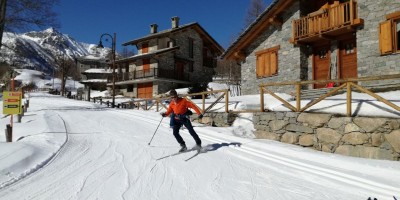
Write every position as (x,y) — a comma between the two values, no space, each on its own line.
(178,108)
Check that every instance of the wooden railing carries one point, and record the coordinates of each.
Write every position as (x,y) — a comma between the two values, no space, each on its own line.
(346,84)
(324,20)
(147,104)
(152,72)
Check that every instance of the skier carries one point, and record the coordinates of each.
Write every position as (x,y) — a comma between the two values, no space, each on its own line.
(178,108)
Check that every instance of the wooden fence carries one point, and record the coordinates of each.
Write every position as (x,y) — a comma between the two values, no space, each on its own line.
(147,104)
(348,85)
(345,84)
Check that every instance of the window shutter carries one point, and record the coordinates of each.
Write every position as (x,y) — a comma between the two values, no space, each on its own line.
(258,66)
(274,63)
(385,37)
(266,65)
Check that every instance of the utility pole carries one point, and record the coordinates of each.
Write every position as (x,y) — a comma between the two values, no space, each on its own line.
(3,4)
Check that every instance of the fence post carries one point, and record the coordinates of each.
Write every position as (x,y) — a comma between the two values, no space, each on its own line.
(348,102)
(203,99)
(298,105)
(226,101)
(8,133)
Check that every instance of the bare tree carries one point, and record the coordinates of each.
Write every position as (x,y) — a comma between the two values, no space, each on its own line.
(67,67)
(255,9)
(126,52)
(229,72)
(22,15)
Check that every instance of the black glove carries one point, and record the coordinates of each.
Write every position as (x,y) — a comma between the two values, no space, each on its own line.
(200,116)
(163,114)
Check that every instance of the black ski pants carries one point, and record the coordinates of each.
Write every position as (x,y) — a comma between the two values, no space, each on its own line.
(186,122)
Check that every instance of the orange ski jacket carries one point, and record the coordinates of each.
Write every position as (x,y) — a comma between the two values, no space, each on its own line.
(180,107)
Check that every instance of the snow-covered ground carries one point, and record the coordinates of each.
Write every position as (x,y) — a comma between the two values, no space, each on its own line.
(69,149)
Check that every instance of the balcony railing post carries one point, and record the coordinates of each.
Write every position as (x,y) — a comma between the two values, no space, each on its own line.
(351,12)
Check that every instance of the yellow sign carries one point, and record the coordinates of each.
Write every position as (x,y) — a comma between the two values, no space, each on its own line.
(12,102)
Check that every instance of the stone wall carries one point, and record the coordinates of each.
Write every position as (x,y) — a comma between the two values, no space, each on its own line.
(218,119)
(376,138)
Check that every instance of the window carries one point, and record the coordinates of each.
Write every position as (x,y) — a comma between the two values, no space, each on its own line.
(129,88)
(190,66)
(267,62)
(191,47)
(389,34)
(145,47)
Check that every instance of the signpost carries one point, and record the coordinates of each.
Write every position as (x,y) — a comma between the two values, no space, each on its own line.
(11,106)
(12,103)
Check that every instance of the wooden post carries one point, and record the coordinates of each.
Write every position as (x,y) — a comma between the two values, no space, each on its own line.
(298,104)
(352,16)
(157,106)
(8,133)
(226,101)
(262,99)
(203,98)
(348,84)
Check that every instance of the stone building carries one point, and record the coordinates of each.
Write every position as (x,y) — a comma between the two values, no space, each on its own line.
(172,58)
(297,40)
(94,72)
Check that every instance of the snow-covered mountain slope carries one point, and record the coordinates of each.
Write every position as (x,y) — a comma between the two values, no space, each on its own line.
(38,49)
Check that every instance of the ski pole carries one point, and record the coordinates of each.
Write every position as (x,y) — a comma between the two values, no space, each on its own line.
(156,130)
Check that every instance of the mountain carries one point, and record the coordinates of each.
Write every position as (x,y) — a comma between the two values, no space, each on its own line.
(38,50)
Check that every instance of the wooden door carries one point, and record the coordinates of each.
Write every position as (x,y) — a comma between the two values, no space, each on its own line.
(145,47)
(145,90)
(146,66)
(321,63)
(179,70)
(348,59)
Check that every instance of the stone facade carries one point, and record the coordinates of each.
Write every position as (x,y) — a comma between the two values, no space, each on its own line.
(289,58)
(168,51)
(369,59)
(376,138)
(295,62)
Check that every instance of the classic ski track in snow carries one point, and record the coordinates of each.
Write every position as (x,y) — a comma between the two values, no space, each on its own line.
(325,172)
(293,163)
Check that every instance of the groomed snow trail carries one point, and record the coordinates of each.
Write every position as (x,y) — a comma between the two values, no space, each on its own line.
(107,156)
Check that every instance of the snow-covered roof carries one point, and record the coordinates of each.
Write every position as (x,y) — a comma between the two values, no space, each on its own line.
(98,71)
(94,81)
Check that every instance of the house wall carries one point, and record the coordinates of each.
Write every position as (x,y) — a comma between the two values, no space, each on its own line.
(290,67)
(200,73)
(370,62)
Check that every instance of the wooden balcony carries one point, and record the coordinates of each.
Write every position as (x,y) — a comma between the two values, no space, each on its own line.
(326,23)
(150,73)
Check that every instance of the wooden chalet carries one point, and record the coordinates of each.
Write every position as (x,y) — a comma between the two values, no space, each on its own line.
(297,40)
(168,59)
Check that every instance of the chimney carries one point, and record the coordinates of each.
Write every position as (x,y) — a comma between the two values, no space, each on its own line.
(175,22)
(153,28)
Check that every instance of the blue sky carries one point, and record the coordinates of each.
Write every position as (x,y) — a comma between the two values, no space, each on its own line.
(86,20)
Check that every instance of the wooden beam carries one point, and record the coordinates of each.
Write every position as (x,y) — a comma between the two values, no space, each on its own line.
(275,20)
(287,104)
(377,97)
(330,93)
